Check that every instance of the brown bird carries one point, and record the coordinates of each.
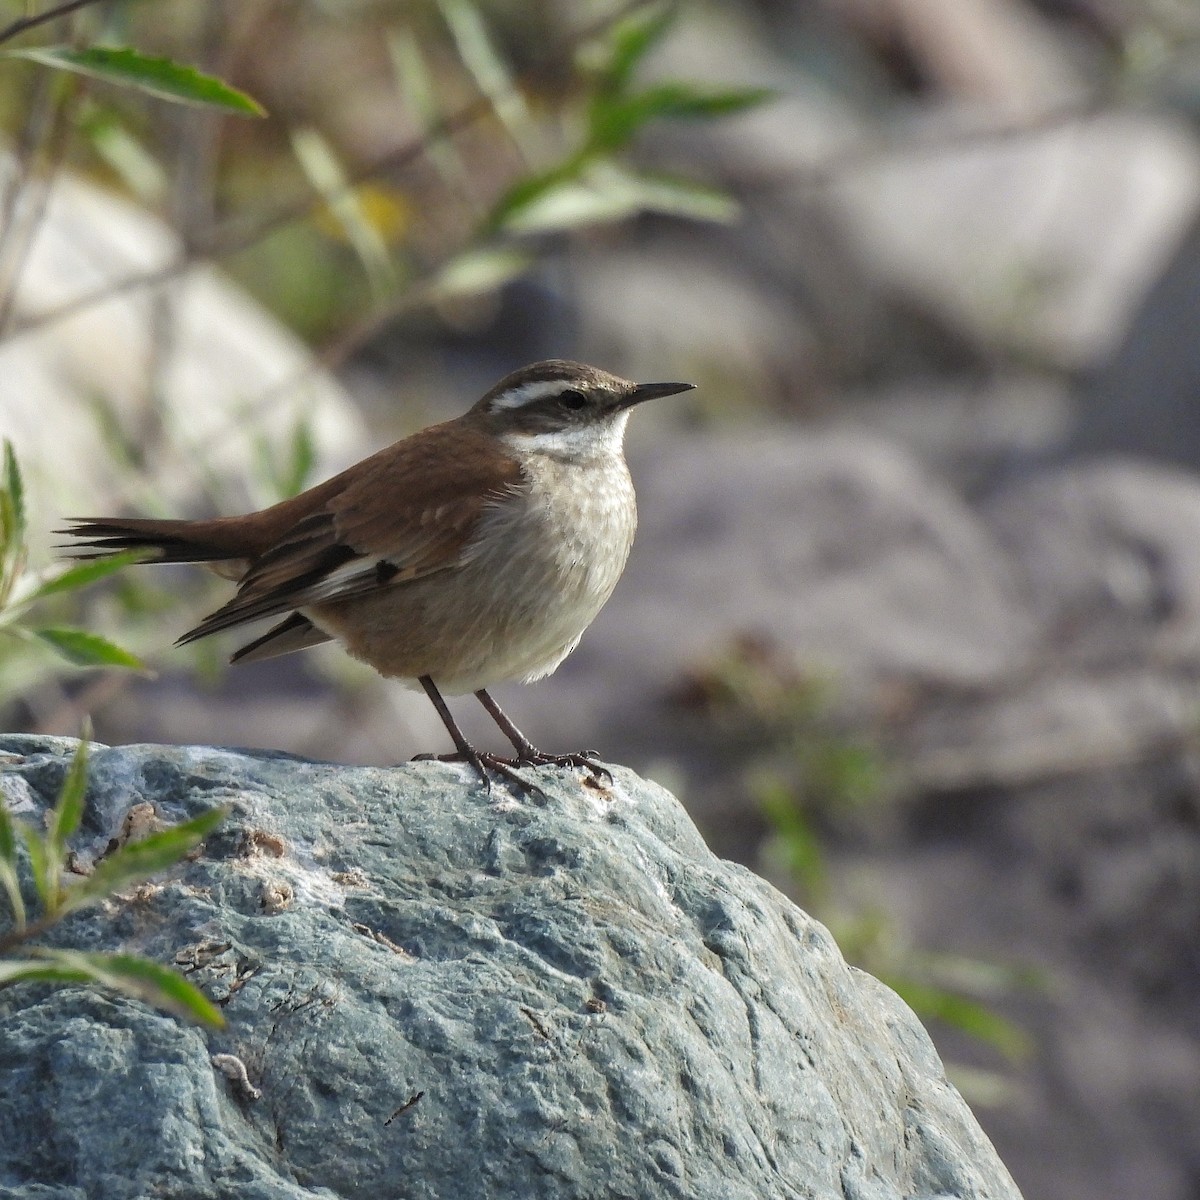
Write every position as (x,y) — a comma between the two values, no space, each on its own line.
(472,552)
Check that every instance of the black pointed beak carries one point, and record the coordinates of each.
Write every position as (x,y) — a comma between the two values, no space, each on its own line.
(651,391)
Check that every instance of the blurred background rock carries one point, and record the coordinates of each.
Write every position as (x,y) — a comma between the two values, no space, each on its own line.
(913,619)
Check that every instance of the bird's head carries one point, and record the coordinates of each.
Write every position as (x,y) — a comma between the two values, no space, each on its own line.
(565,409)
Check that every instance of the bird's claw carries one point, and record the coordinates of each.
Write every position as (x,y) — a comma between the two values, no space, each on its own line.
(532,757)
(482,761)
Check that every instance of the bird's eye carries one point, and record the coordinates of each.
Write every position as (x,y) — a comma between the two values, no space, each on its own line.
(572,399)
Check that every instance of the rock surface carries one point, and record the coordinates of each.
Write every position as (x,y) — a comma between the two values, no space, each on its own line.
(441,994)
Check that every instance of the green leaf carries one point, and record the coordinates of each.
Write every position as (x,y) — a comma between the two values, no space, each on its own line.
(141,978)
(14,488)
(8,865)
(677,198)
(490,71)
(12,890)
(8,837)
(159,77)
(83,574)
(526,192)
(137,861)
(631,40)
(479,271)
(88,649)
(839,773)
(302,459)
(68,809)
(45,870)
(970,1016)
(320,164)
(12,524)
(286,476)
(571,205)
(123,152)
(983,1089)
(614,121)
(793,836)
(20,970)
(608,193)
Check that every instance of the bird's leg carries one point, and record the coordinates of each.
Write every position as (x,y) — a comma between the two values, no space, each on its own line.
(528,754)
(466,752)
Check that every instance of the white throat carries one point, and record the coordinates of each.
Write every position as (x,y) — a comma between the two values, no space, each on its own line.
(585,443)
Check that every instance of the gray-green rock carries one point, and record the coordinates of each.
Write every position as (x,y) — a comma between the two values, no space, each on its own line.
(441,994)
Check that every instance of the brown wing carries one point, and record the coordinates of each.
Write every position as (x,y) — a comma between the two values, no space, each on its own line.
(404,513)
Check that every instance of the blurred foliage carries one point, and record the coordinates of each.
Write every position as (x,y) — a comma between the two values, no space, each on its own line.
(816,783)
(417,143)
(25,639)
(587,185)
(63,887)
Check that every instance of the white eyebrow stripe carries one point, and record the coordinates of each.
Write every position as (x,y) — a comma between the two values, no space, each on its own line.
(527,393)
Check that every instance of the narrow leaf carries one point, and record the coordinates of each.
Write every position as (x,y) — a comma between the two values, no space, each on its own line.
(8,837)
(794,837)
(970,1016)
(12,525)
(490,72)
(286,476)
(982,1088)
(12,891)
(632,39)
(83,574)
(145,979)
(479,271)
(679,198)
(137,861)
(530,190)
(68,809)
(88,649)
(19,970)
(324,171)
(571,205)
(15,489)
(45,871)
(141,978)
(608,193)
(614,121)
(8,865)
(163,987)
(124,153)
(158,77)
(302,459)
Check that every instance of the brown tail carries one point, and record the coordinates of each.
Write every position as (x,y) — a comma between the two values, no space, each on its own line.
(170,541)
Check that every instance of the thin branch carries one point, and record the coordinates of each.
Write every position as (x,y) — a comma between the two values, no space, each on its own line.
(16,28)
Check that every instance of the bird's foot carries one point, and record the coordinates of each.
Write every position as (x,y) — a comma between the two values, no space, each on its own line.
(588,760)
(483,761)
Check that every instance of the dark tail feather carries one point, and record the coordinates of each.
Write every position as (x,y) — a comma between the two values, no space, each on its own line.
(170,541)
(297,632)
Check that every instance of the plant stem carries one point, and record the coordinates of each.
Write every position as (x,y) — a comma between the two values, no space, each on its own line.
(15,28)
(14,937)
